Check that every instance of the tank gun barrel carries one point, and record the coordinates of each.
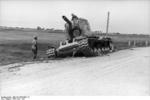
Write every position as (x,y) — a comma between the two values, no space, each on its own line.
(67,20)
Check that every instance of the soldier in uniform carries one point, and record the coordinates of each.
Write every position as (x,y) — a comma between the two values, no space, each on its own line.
(34,47)
(76,27)
(75,24)
(75,20)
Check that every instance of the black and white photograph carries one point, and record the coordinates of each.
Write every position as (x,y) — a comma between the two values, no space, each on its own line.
(74,48)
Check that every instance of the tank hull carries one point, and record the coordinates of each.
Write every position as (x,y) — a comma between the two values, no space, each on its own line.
(82,46)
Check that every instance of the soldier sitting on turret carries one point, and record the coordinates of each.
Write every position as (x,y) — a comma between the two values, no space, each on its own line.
(75,20)
(76,27)
(82,24)
(75,24)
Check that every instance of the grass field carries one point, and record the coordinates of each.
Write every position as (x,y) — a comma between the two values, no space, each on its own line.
(15,45)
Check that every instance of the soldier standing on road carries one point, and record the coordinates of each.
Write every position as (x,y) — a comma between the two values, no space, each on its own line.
(34,47)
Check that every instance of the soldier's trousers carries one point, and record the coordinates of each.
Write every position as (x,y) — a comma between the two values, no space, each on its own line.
(34,51)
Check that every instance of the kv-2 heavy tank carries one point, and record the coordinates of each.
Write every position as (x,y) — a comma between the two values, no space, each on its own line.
(80,40)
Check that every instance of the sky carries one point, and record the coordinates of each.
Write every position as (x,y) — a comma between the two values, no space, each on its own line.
(126,16)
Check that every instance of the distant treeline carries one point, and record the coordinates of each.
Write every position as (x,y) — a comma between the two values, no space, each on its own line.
(52,30)
(49,30)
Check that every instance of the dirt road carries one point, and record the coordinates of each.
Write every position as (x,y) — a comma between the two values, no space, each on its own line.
(125,72)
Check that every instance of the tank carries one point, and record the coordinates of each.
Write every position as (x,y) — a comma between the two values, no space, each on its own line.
(80,41)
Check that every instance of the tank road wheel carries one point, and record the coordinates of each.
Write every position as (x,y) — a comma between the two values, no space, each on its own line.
(93,52)
(88,52)
(96,52)
(99,51)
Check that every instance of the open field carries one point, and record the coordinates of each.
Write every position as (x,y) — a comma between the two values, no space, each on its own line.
(15,45)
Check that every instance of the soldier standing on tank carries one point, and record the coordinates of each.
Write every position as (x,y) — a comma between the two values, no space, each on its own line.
(74,20)
(34,47)
(75,24)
